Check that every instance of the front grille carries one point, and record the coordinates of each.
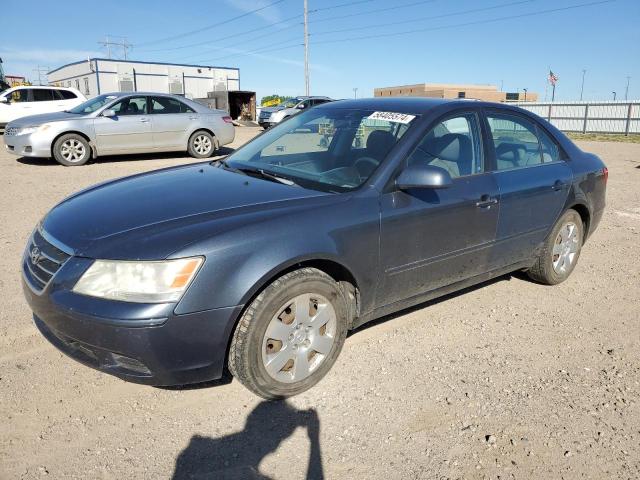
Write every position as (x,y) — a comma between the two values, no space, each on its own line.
(41,261)
(265,115)
(11,131)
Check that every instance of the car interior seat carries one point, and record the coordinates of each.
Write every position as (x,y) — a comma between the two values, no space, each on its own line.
(379,142)
(509,155)
(451,151)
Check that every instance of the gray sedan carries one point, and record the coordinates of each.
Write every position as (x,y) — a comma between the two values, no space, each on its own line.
(121,123)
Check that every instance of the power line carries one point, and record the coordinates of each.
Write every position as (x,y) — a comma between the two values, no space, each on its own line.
(226,37)
(478,22)
(368,12)
(209,27)
(432,17)
(442,27)
(108,43)
(264,27)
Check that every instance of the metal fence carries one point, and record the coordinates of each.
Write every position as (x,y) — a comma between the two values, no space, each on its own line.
(589,117)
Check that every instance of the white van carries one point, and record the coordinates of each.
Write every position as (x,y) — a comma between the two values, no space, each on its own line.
(22,101)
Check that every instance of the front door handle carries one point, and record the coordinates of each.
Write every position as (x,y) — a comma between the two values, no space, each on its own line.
(193,118)
(144,120)
(486,201)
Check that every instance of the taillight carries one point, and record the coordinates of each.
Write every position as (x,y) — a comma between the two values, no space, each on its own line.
(605,174)
(227,119)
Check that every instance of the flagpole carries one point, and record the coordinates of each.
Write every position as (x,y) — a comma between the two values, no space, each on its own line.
(553,93)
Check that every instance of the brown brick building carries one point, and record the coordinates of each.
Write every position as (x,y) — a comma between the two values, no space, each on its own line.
(488,93)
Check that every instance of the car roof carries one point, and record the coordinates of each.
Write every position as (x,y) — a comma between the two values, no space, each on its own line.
(46,87)
(415,105)
(156,94)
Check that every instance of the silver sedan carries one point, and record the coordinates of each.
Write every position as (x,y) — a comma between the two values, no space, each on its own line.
(121,123)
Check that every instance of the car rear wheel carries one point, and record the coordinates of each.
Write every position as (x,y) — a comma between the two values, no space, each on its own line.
(561,250)
(201,144)
(290,336)
(71,150)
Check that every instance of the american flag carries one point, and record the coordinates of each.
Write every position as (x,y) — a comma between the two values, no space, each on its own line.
(553,78)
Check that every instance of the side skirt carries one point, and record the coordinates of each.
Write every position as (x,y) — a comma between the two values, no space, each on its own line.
(425,297)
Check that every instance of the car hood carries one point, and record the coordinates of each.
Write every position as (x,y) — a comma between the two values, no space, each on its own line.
(152,215)
(45,118)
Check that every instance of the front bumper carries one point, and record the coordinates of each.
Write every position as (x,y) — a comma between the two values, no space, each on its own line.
(141,343)
(32,145)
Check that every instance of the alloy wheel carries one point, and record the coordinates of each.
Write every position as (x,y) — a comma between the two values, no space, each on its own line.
(566,247)
(72,150)
(202,144)
(299,337)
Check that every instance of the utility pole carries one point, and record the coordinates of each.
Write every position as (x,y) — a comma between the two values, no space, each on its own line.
(40,71)
(355,92)
(306,48)
(582,87)
(626,90)
(525,94)
(614,96)
(112,43)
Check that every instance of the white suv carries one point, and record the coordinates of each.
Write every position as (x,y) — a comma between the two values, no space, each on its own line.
(19,102)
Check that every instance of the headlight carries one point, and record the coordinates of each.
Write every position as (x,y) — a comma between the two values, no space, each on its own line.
(32,129)
(144,282)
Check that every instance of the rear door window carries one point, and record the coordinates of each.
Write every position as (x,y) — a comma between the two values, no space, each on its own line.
(550,149)
(168,105)
(515,141)
(43,95)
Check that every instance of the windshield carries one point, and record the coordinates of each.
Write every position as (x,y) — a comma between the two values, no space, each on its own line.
(292,102)
(94,104)
(329,149)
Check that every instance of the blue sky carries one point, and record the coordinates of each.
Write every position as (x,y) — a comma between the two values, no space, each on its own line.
(450,41)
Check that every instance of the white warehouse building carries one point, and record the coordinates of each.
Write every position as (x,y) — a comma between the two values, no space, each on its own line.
(219,87)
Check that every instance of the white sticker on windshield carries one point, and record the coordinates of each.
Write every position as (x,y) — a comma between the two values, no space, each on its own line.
(392,117)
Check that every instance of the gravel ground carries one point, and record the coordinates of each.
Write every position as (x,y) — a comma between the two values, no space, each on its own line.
(507,380)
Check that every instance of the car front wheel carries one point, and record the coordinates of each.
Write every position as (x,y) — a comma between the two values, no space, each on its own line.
(289,337)
(71,150)
(560,251)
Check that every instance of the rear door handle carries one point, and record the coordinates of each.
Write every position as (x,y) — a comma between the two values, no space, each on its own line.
(558,185)
(144,120)
(193,118)
(486,201)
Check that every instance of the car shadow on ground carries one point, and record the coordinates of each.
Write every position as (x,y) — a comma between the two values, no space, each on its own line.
(508,277)
(239,454)
(50,162)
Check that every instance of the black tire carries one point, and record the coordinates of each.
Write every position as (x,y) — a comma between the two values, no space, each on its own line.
(543,270)
(71,150)
(245,353)
(197,143)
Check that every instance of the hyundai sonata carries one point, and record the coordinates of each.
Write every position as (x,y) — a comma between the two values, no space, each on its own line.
(261,263)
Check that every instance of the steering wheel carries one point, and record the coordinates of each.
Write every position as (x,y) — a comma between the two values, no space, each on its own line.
(366,166)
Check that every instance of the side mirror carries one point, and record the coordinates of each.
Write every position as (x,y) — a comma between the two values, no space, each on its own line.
(4,100)
(108,113)
(301,106)
(423,176)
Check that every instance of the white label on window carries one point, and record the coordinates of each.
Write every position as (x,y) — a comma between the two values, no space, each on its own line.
(391,117)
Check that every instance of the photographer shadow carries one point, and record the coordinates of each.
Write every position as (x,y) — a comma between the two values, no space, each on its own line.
(238,455)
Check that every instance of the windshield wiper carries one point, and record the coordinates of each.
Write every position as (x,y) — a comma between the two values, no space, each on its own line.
(267,175)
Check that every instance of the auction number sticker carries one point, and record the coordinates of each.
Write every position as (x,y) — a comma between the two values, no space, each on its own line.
(392,117)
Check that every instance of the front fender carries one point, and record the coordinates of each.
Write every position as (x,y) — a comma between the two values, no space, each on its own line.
(242,262)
